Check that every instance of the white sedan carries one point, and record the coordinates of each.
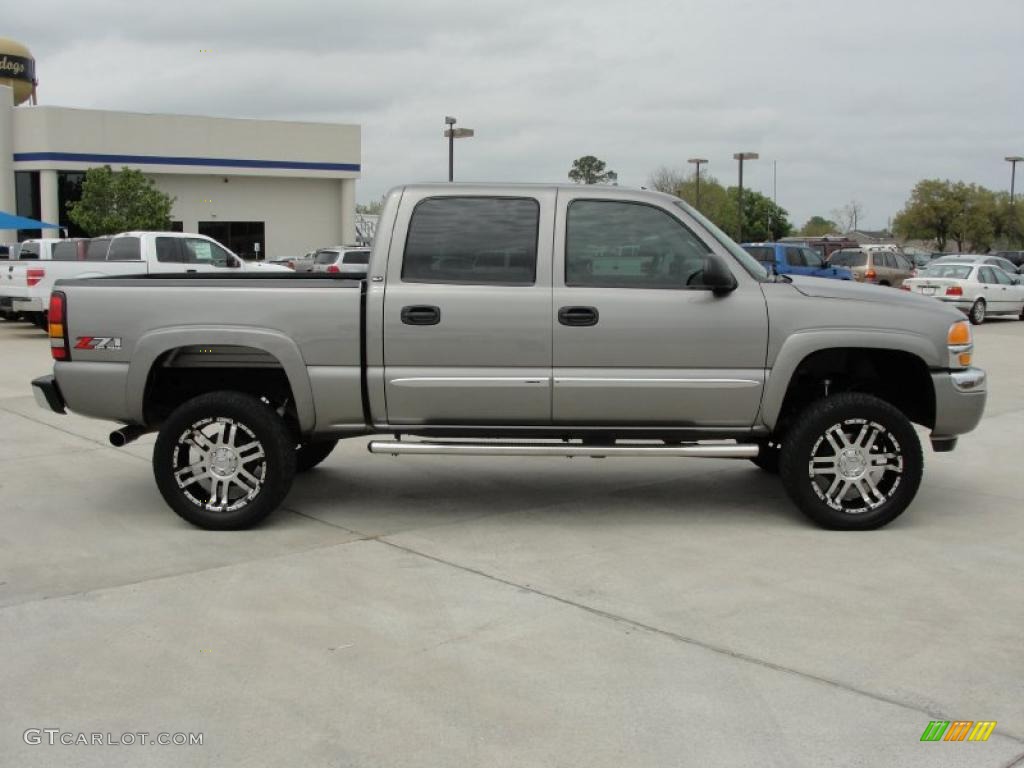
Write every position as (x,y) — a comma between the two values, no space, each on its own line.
(978,290)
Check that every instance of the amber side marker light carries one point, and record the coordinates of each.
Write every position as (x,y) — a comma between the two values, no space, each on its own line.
(961,344)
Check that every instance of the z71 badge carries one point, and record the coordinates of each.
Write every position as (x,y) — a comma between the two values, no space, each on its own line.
(98,342)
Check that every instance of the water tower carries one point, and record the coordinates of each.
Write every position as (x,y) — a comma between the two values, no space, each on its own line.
(17,70)
(17,85)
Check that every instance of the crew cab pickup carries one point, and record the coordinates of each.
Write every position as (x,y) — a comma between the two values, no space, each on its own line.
(520,321)
(29,284)
(794,259)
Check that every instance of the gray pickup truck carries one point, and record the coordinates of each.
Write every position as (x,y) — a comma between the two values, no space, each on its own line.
(507,320)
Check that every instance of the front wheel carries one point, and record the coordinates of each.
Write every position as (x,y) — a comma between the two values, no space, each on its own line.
(977,313)
(224,460)
(852,462)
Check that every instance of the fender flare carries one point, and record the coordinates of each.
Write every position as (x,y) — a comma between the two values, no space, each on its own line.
(800,345)
(152,345)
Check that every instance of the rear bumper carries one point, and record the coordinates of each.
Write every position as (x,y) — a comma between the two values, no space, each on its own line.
(48,395)
(959,402)
(26,303)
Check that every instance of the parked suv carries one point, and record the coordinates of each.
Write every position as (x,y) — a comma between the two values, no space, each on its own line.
(874,266)
(794,259)
(343,260)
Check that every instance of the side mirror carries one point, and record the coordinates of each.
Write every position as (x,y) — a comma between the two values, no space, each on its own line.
(717,276)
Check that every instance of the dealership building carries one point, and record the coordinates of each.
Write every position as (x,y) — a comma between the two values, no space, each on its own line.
(263,188)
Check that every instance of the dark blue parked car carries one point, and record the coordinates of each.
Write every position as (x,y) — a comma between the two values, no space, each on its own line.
(794,259)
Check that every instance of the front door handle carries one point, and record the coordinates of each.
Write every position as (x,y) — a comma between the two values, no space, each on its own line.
(421,314)
(578,316)
(190,270)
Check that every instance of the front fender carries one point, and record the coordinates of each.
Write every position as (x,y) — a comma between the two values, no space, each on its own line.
(158,342)
(799,345)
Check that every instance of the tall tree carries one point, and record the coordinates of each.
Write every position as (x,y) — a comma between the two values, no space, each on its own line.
(848,216)
(120,201)
(762,219)
(930,213)
(590,170)
(818,226)
(669,180)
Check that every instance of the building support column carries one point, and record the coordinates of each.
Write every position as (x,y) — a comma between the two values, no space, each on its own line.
(8,200)
(348,211)
(49,208)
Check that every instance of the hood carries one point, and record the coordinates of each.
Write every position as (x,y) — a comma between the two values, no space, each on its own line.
(824,288)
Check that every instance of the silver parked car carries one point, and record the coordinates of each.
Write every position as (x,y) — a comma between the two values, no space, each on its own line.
(348,260)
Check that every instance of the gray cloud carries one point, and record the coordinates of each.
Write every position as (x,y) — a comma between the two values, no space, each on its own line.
(850,100)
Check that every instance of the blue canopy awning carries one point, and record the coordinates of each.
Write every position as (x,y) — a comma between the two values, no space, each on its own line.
(10,221)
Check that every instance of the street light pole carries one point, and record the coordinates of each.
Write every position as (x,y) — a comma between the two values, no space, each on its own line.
(697,161)
(1013,160)
(450,122)
(452,133)
(741,156)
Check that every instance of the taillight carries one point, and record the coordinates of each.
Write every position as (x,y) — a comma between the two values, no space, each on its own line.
(333,268)
(33,276)
(904,287)
(870,274)
(59,347)
(954,290)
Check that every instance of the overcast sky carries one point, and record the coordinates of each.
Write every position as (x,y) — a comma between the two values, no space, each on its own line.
(853,100)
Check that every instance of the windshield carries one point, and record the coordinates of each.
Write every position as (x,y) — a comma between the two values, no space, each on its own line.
(954,271)
(848,259)
(327,257)
(748,262)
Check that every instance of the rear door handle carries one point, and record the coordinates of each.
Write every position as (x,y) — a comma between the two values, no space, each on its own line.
(578,316)
(190,270)
(421,314)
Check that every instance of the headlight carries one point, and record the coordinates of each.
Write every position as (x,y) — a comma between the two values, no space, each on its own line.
(961,344)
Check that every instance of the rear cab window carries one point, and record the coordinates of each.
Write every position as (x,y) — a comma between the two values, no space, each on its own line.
(29,251)
(473,241)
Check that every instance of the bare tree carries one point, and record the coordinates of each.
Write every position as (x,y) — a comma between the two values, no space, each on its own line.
(848,216)
(666,179)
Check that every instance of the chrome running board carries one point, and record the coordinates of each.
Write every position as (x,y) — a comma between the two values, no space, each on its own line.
(496,448)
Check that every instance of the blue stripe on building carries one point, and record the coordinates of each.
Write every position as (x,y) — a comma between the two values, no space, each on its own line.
(205,162)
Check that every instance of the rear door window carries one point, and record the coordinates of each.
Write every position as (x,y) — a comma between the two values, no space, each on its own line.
(473,240)
(357,257)
(812,258)
(124,249)
(66,250)
(167,250)
(986,275)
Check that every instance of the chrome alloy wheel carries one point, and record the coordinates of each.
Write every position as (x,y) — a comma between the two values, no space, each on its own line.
(219,464)
(856,466)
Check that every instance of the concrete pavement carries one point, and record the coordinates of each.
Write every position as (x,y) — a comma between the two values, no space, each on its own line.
(507,612)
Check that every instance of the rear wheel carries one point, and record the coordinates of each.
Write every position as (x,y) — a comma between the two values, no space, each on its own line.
(977,313)
(224,460)
(308,455)
(852,462)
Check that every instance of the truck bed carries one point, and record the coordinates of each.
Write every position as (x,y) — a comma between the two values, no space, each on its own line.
(309,326)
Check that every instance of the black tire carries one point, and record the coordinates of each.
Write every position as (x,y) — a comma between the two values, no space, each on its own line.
(768,458)
(253,450)
(843,425)
(308,455)
(977,313)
